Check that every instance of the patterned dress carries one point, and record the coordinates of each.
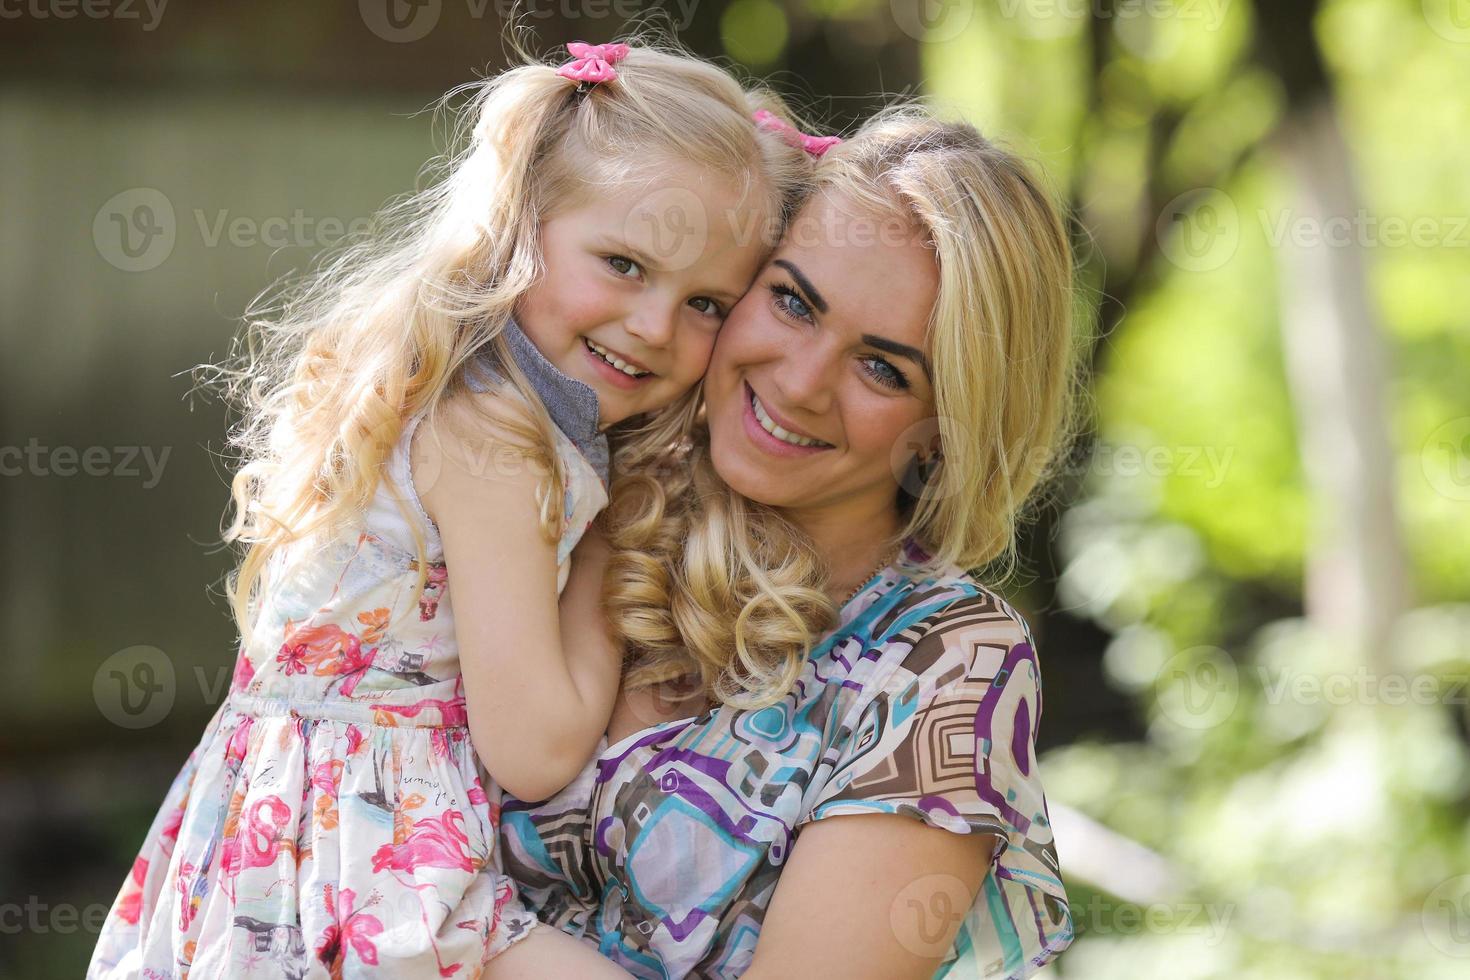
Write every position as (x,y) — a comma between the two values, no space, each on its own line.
(332,820)
(924,702)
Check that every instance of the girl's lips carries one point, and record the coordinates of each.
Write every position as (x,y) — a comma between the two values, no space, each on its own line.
(763,439)
(611,374)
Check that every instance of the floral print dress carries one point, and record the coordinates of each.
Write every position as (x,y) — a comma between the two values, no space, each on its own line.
(331,822)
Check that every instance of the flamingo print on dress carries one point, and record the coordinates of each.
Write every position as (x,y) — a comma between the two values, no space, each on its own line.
(435,842)
(267,823)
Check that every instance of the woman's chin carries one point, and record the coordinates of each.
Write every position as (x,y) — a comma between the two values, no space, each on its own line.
(748,477)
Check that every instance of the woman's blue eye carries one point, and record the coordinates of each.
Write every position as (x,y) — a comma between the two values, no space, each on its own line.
(793,304)
(622,264)
(885,373)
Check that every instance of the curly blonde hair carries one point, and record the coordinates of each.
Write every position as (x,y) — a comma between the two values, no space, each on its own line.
(331,369)
(705,582)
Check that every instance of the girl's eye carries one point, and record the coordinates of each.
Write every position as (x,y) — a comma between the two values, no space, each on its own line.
(623,265)
(885,373)
(707,306)
(787,300)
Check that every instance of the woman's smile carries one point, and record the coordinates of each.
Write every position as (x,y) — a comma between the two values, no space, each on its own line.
(766,431)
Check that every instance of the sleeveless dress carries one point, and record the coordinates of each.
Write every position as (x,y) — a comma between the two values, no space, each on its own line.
(332,821)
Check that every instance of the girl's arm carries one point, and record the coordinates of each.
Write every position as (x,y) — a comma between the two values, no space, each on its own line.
(535,714)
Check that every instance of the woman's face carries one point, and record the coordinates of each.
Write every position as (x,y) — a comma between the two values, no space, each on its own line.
(829,349)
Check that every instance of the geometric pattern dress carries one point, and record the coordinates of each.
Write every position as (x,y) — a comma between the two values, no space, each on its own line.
(331,821)
(923,703)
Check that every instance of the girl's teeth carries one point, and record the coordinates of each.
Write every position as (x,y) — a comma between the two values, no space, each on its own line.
(776,430)
(614,360)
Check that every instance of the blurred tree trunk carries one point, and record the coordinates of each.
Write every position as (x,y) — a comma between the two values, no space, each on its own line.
(1335,359)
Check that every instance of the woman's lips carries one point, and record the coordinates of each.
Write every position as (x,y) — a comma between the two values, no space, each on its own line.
(763,439)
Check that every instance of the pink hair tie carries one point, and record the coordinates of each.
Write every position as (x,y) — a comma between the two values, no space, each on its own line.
(593,63)
(815,145)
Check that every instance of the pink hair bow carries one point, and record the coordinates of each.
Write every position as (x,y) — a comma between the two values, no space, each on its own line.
(815,145)
(593,63)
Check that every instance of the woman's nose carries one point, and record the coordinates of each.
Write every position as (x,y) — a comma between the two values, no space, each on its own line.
(806,378)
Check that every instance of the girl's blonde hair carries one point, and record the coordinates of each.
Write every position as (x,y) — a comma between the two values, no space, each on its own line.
(730,589)
(333,370)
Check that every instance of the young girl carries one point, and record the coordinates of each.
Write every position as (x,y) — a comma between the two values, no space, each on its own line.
(562,285)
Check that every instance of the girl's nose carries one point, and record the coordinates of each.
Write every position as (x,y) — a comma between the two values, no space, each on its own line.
(654,324)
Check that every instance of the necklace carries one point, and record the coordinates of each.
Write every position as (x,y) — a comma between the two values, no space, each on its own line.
(866,578)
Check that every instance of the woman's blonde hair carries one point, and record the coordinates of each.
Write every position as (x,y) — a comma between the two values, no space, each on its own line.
(727,587)
(335,366)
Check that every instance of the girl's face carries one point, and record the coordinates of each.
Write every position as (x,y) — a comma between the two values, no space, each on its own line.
(637,283)
(830,346)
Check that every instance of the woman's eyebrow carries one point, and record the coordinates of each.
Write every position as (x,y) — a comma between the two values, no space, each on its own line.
(804,283)
(902,350)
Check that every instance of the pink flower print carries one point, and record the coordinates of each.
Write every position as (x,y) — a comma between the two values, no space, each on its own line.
(294,659)
(354,739)
(328,648)
(132,901)
(354,927)
(244,672)
(328,776)
(239,742)
(189,896)
(170,832)
(477,793)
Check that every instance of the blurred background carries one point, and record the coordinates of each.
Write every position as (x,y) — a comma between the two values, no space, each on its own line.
(1251,595)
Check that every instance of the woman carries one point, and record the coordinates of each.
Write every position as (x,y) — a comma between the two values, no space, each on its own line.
(879,407)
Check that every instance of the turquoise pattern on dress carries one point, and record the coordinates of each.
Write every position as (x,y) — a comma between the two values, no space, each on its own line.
(923,702)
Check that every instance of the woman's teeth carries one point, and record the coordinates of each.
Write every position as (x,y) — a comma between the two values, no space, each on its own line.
(614,359)
(776,430)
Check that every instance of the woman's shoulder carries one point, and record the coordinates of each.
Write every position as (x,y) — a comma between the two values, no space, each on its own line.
(937,625)
(924,597)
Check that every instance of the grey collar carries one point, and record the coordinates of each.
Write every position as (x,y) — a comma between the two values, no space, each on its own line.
(572,404)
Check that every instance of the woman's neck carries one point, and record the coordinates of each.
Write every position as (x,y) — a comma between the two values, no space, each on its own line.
(850,541)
